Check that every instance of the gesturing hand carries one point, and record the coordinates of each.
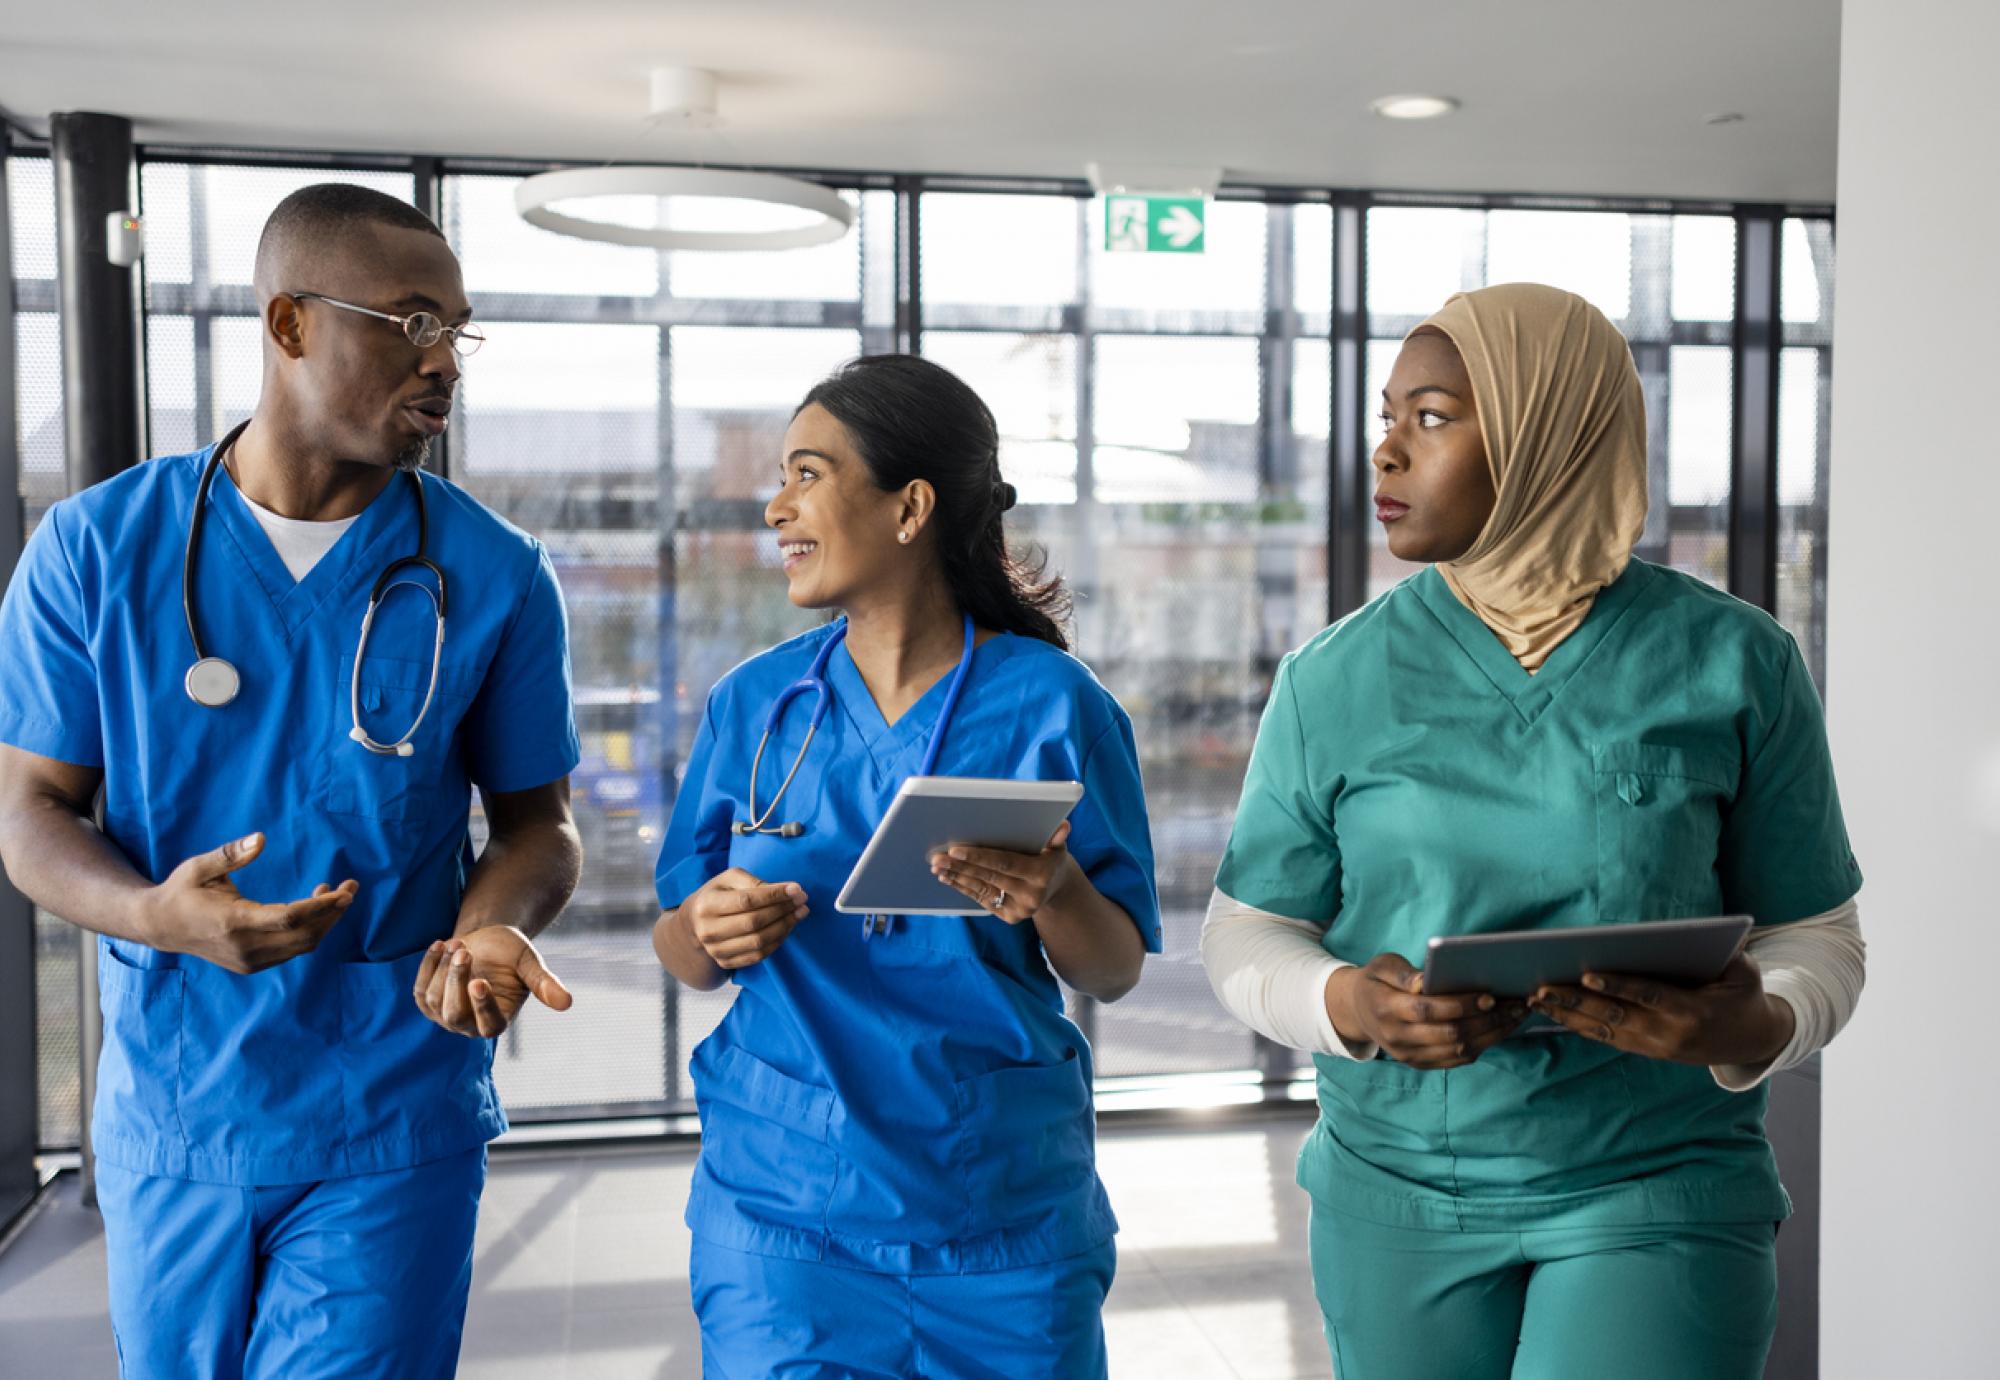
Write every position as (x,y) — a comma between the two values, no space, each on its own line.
(1385,1002)
(739,920)
(1732,1020)
(475,983)
(1012,886)
(198,910)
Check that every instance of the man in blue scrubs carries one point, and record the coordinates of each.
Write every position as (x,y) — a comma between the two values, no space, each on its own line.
(301,963)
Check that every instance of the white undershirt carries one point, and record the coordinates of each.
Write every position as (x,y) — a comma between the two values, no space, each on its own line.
(300,542)
(1270,972)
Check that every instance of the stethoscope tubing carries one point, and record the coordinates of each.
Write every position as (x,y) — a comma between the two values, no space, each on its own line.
(384,582)
(815,681)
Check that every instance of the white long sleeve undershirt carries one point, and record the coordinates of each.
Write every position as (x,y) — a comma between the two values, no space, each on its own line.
(1270,972)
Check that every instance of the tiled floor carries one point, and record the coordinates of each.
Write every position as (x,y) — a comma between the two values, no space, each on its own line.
(581,1267)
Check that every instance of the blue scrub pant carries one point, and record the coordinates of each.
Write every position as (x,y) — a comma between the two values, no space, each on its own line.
(1573,1303)
(363,1278)
(767,1318)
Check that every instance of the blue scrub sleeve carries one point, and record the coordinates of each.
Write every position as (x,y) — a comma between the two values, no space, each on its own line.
(521,730)
(1784,853)
(1109,836)
(1282,855)
(696,847)
(48,691)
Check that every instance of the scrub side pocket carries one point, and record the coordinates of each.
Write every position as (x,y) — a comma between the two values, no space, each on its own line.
(355,781)
(1659,830)
(139,1070)
(406,1078)
(1026,1143)
(764,1137)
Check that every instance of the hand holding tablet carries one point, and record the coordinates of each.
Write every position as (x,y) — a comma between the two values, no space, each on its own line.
(930,813)
(1681,991)
(1687,953)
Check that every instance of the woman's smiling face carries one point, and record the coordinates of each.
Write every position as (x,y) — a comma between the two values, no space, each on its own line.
(836,530)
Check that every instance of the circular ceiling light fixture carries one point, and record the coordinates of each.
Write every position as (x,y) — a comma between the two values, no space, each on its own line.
(781,212)
(1413,107)
(651,207)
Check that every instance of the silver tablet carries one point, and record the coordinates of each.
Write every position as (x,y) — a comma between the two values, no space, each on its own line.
(1688,952)
(933,812)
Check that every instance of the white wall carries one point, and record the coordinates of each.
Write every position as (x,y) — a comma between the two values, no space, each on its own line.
(1910,1266)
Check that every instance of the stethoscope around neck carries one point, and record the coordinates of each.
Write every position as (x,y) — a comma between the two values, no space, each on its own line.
(213,682)
(814,683)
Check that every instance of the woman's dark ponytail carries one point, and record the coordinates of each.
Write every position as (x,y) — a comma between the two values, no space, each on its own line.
(912,419)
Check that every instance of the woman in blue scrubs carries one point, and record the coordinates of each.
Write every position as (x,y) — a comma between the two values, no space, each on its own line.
(897,1171)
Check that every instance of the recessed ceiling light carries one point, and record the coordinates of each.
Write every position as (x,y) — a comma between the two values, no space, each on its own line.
(1413,107)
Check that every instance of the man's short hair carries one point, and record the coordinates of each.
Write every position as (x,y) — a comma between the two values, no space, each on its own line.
(312,221)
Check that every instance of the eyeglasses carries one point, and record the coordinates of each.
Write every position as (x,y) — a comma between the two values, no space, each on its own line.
(422,327)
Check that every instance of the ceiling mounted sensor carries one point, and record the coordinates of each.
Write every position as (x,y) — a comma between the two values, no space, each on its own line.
(1153,177)
(1413,107)
(730,210)
(682,93)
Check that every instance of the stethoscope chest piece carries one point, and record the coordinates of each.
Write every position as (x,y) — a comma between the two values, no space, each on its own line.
(213,682)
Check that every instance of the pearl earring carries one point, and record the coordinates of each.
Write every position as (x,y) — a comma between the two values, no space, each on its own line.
(903,537)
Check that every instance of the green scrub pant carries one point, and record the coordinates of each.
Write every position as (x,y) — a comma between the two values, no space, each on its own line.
(1639,1303)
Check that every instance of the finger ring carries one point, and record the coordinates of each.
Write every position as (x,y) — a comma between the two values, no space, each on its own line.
(1001,899)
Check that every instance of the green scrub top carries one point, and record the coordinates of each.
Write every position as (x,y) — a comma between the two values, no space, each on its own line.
(1410,780)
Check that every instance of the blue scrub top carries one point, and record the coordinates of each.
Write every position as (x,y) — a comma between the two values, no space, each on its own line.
(322,1066)
(913,1100)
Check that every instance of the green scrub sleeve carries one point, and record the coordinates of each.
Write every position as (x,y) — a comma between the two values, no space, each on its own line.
(1785,854)
(1282,856)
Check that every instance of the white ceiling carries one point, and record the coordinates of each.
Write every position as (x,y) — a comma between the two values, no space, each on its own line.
(1562,96)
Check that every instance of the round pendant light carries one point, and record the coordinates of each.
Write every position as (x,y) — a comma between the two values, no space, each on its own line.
(823,215)
(806,212)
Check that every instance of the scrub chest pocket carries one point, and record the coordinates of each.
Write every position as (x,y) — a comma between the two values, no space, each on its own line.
(1659,824)
(355,781)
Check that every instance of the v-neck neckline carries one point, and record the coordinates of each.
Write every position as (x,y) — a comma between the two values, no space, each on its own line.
(296,601)
(887,742)
(1529,694)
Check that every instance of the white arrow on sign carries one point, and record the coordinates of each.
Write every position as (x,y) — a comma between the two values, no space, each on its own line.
(1181,227)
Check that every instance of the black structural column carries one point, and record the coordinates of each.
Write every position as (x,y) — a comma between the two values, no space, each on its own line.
(104,421)
(20,1120)
(1753,480)
(427,191)
(909,266)
(1347,509)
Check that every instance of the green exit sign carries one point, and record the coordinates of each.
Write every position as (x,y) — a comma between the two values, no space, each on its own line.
(1155,224)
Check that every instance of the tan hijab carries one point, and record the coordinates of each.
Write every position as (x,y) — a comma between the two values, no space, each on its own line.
(1564,420)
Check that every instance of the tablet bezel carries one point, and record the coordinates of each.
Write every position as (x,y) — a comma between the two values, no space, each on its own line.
(1056,799)
(1688,952)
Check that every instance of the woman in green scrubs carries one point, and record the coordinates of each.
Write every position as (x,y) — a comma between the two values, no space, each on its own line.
(1538,731)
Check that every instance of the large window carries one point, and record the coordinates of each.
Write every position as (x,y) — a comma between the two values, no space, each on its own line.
(1167,420)
(1667,282)
(1146,406)
(1805,403)
(38,438)
(628,409)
